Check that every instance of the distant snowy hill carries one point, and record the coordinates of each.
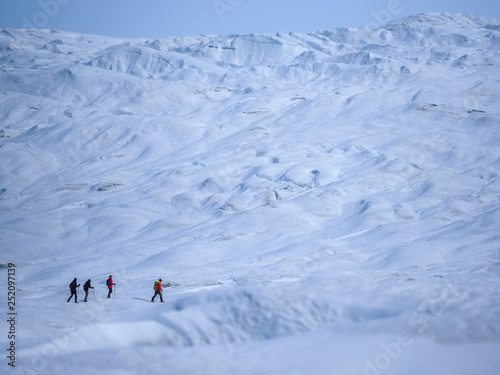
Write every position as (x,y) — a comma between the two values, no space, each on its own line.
(322,203)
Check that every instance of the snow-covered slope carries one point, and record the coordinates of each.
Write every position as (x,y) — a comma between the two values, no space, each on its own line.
(320,203)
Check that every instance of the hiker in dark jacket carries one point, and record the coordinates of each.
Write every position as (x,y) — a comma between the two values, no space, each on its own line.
(73,287)
(86,288)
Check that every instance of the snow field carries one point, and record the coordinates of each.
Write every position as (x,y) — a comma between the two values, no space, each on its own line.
(320,203)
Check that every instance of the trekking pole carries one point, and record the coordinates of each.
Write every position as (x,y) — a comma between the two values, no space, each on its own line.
(93,292)
(67,295)
(114,292)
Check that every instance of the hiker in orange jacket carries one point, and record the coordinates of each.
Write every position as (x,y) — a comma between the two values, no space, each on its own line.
(158,291)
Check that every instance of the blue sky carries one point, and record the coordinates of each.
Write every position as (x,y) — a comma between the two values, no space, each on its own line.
(162,18)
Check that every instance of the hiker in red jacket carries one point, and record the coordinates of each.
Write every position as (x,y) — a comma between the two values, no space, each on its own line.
(158,291)
(110,284)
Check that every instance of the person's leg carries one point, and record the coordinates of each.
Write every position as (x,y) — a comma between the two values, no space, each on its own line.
(153,299)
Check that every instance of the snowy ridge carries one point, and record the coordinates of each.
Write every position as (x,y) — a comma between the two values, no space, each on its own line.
(302,194)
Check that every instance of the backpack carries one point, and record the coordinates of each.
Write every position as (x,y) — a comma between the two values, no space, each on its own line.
(72,284)
(86,286)
(156,285)
(107,282)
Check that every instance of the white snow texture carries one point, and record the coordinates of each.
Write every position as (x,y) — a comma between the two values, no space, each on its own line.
(322,203)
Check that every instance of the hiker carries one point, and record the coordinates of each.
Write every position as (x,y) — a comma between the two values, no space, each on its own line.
(86,288)
(110,284)
(73,287)
(158,291)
